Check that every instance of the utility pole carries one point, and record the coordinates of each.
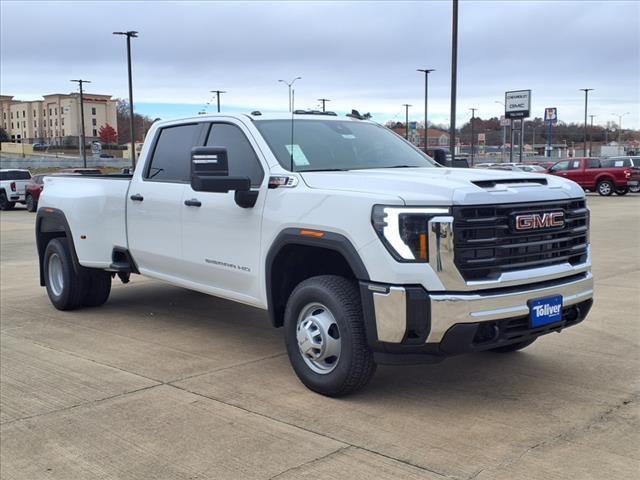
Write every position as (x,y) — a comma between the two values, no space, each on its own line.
(324,101)
(454,77)
(426,100)
(586,100)
(290,85)
(82,137)
(504,132)
(130,34)
(406,123)
(473,117)
(218,93)
(591,136)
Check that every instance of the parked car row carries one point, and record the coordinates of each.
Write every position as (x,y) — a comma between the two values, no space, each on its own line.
(19,186)
(605,176)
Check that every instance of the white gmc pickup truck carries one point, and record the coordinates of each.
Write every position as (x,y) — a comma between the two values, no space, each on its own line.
(363,248)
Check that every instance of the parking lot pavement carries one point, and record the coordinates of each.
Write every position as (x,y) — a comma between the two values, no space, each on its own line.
(166,383)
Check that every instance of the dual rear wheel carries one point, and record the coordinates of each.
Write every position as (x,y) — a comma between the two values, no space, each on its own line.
(70,286)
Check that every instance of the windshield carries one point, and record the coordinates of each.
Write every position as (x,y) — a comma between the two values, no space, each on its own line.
(338,145)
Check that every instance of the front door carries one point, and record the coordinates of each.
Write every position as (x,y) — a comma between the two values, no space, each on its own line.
(220,240)
(154,204)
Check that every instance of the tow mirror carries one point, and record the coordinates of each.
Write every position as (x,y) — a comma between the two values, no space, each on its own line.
(210,172)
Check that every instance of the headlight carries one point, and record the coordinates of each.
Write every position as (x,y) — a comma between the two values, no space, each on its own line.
(404,230)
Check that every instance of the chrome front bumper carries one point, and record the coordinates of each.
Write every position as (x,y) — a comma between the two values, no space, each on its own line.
(449,309)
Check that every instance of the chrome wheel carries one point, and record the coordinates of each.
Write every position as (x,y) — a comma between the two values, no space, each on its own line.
(318,338)
(55,275)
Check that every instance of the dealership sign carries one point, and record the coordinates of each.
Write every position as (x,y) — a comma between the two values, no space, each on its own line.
(517,104)
(551,115)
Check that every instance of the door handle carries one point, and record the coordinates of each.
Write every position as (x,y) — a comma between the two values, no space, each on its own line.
(194,202)
(137,197)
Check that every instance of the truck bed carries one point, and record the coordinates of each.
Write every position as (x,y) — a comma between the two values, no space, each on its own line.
(95,209)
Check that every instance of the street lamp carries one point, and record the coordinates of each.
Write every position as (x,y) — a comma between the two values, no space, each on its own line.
(290,85)
(82,137)
(426,96)
(473,117)
(454,78)
(218,93)
(406,124)
(620,123)
(130,34)
(323,100)
(586,99)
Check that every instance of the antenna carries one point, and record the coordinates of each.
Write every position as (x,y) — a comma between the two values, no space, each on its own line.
(292,110)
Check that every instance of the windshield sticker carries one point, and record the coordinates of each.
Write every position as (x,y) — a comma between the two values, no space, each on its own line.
(299,158)
(350,136)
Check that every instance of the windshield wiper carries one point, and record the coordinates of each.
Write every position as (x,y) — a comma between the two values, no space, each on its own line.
(325,170)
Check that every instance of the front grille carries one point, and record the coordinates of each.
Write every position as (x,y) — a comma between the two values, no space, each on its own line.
(485,244)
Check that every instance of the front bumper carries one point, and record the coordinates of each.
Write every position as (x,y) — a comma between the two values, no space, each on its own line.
(406,324)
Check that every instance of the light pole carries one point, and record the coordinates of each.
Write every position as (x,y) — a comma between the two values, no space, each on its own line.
(324,101)
(426,103)
(454,78)
(82,137)
(130,34)
(218,93)
(591,136)
(473,117)
(406,123)
(290,85)
(504,129)
(620,123)
(586,100)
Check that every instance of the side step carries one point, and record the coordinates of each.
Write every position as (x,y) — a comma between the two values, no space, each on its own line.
(122,261)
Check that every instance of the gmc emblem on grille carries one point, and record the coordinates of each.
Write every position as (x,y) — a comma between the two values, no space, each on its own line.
(535,221)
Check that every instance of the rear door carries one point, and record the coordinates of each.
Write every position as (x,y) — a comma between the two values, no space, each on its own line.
(154,203)
(575,171)
(220,240)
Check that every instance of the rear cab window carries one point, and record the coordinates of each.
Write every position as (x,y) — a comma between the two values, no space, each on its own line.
(15,175)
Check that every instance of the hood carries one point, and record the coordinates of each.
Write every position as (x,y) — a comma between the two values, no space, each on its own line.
(448,186)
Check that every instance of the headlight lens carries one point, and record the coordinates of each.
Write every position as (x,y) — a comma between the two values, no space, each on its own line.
(404,230)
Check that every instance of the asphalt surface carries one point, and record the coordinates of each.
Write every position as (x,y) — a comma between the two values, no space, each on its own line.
(164,383)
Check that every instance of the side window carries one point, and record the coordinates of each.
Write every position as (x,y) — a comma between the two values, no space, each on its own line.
(593,163)
(560,166)
(575,165)
(243,161)
(172,154)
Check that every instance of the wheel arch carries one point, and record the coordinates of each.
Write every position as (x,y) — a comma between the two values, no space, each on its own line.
(325,253)
(52,223)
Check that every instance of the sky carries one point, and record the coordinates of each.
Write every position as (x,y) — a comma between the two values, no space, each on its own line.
(361,55)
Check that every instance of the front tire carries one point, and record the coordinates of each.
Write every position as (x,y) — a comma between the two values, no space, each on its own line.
(325,336)
(31,204)
(98,288)
(605,188)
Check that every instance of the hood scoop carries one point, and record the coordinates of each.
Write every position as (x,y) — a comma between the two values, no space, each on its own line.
(510,181)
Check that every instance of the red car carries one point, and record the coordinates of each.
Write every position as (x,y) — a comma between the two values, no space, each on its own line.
(32,191)
(590,174)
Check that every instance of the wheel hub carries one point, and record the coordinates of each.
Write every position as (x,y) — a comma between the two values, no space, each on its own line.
(56,278)
(318,338)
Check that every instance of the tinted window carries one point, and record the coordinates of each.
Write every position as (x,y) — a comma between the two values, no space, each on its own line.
(15,175)
(575,164)
(243,161)
(616,162)
(172,155)
(593,163)
(560,166)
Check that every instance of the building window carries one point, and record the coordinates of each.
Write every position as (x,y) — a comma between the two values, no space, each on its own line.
(56,122)
(94,122)
(56,133)
(50,112)
(12,125)
(11,115)
(4,115)
(24,124)
(35,123)
(24,113)
(34,113)
(44,112)
(95,132)
(50,123)
(63,132)
(56,111)
(93,111)
(62,121)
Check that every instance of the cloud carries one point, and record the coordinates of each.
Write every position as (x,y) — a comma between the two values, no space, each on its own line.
(359,54)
